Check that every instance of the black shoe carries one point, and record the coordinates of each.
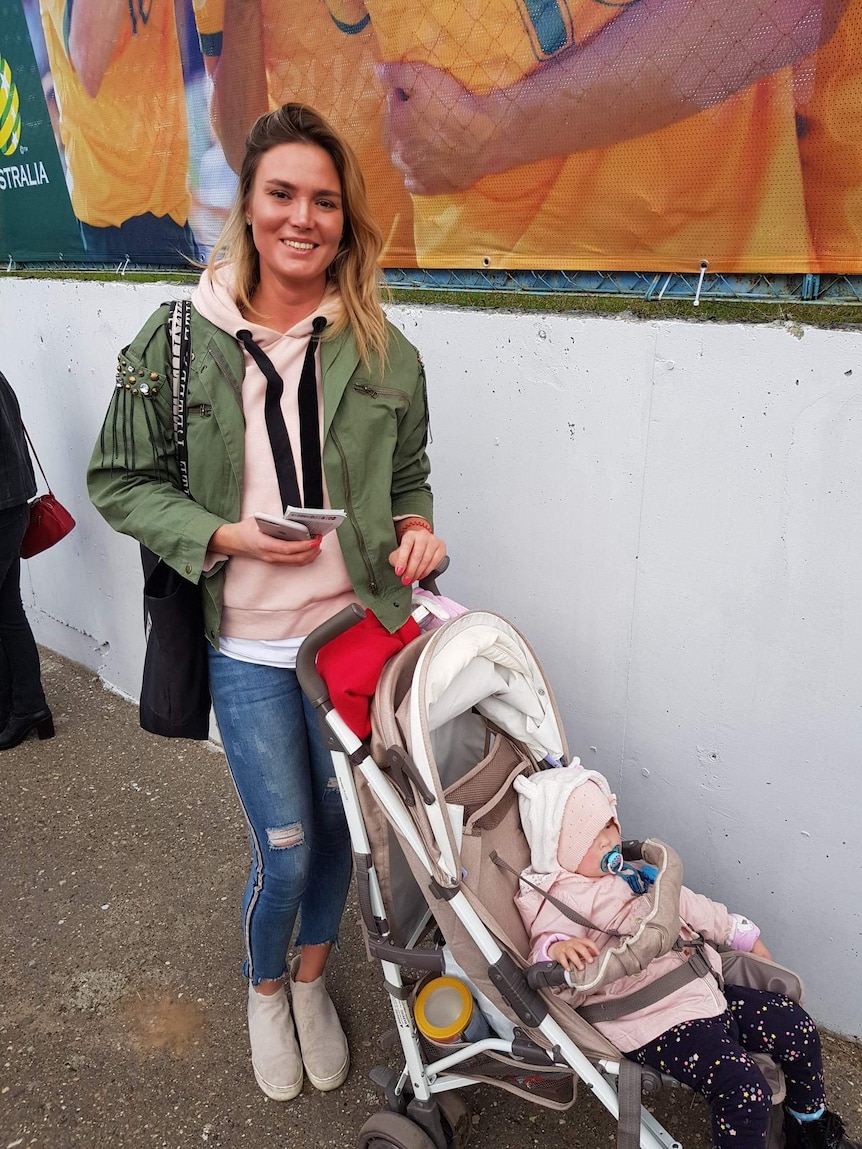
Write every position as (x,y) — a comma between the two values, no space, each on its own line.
(791,1131)
(827,1132)
(17,729)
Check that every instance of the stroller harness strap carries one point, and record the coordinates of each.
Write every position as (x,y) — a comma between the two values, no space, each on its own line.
(571,914)
(696,966)
(657,930)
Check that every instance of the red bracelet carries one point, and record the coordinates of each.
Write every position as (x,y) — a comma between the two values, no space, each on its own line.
(405,525)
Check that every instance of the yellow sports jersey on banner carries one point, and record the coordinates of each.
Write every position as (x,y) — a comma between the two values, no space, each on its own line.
(321,60)
(127,146)
(722,186)
(484,45)
(829,103)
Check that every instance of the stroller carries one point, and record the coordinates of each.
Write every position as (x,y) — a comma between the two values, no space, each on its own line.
(457,715)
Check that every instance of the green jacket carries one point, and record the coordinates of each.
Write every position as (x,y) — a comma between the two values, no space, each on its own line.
(375,427)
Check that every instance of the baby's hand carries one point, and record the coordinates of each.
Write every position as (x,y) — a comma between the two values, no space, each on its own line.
(575,952)
(760,950)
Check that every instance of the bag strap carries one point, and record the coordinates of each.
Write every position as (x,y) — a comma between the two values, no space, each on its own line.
(179,330)
(35,456)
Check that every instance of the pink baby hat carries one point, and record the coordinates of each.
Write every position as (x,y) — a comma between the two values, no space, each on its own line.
(587,811)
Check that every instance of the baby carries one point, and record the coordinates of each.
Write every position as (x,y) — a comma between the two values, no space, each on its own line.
(697,1034)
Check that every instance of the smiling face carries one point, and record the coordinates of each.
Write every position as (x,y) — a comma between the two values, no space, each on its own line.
(606,839)
(297,217)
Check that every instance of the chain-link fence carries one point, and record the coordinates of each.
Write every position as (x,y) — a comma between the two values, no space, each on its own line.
(647,285)
(652,286)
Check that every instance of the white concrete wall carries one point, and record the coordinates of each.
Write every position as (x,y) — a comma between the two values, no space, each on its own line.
(669,511)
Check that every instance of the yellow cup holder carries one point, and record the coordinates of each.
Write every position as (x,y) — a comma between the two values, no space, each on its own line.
(443,1009)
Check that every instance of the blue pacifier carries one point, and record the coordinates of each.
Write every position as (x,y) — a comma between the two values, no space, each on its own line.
(638,880)
(612,862)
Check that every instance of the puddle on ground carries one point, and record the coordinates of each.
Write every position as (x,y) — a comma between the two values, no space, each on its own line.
(162,1021)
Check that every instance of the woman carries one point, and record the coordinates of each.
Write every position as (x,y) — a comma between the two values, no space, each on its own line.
(22,700)
(289,301)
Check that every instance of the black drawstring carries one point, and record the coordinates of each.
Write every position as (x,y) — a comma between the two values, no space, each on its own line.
(309,422)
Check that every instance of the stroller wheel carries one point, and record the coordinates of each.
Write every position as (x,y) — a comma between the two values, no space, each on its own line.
(392,1131)
(456,1119)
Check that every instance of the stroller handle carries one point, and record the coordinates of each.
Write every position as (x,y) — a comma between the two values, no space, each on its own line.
(429,583)
(313,686)
(545,973)
(310,680)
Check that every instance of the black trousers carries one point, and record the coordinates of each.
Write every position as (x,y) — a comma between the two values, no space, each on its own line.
(711,1056)
(20,678)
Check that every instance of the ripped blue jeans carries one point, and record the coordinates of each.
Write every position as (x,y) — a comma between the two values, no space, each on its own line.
(300,845)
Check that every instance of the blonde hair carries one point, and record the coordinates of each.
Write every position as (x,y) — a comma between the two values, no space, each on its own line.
(355,271)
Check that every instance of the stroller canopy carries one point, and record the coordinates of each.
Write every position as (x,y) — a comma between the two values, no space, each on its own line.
(443,698)
(480,661)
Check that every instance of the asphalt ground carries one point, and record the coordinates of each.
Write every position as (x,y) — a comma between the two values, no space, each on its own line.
(123,1008)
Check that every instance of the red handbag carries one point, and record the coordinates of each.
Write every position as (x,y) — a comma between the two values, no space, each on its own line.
(49,522)
(49,519)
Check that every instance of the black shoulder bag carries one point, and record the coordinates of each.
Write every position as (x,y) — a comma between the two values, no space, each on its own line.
(175,694)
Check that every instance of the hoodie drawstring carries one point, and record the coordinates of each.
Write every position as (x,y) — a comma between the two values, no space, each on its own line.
(309,422)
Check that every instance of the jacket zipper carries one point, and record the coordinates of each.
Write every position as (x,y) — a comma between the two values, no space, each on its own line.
(376,392)
(363,549)
(234,383)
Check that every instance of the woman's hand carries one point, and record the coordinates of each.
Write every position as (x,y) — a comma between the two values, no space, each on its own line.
(245,538)
(760,950)
(576,952)
(419,553)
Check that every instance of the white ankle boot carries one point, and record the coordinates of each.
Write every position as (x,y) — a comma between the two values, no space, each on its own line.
(321,1038)
(275,1056)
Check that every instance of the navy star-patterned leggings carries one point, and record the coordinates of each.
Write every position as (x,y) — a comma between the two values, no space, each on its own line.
(711,1056)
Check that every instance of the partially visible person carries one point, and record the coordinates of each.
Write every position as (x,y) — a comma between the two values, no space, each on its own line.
(213,198)
(23,708)
(300,392)
(700,1032)
(119,86)
(215,192)
(262,53)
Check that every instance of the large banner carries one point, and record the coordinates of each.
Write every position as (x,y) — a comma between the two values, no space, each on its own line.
(640,135)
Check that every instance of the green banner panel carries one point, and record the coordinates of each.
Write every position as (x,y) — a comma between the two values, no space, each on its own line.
(36,218)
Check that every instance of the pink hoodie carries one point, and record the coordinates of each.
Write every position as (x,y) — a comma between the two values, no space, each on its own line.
(262,601)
